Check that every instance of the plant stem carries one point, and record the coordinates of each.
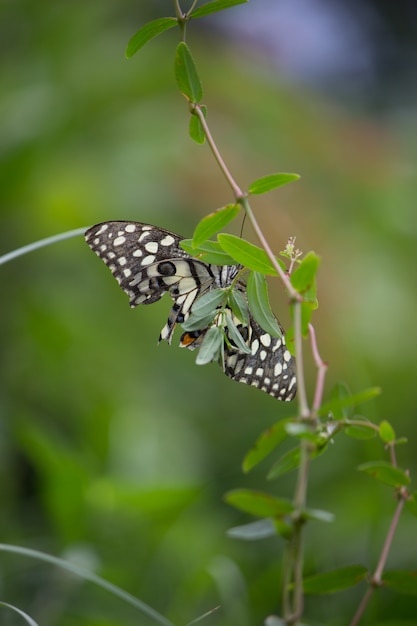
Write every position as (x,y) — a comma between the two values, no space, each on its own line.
(41,244)
(321,370)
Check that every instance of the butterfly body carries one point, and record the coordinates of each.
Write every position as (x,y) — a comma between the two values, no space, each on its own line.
(147,261)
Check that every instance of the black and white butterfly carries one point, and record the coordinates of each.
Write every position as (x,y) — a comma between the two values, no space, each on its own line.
(147,261)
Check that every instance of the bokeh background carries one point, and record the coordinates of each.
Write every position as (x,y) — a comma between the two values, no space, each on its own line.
(116,453)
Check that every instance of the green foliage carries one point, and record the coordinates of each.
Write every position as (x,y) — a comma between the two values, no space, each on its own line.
(212,223)
(336,580)
(214,6)
(148,32)
(401,581)
(247,254)
(272,181)
(186,74)
(257,292)
(258,504)
(385,473)
(209,252)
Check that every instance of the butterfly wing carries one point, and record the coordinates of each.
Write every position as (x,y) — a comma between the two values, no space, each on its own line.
(269,366)
(147,262)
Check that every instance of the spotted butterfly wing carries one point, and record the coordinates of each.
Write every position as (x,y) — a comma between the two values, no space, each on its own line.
(148,261)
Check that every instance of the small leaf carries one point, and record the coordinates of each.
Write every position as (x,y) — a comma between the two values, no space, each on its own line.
(186,74)
(204,310)
(307,309)
(386,432)
(385,473)
(261,529)
(265,444)
(236,337)
(272,181)
(196,130)
(411,504)
(210,349)
(211,224)
(288,462)
(291,460)
(148,32)
(198,322)
(354,431)
(258,503)
(239,306)
(303,278)
(215,5)
(319,515)
(257,294)
(337,404)
(401,581)
(248,255)
(209,252)
(336,580)
(209,302)
(342,393)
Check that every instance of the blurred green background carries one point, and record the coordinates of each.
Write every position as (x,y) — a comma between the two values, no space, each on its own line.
(116,453)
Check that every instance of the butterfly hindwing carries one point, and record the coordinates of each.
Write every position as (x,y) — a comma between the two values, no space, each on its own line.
(148,261)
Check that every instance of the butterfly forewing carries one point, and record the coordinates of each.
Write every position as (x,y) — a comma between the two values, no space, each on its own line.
(148,261)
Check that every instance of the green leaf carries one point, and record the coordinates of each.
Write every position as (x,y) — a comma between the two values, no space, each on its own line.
(148,32)
(411,504)
(196,130)
(212,223)
(291,460)
(239,306)
(204,310)
(248,255)
(288,462)
(261,529)
(342,393)
(303,278)
(401,581)
(211,348)
(307,309)
(335,580)
(186,74)
(354,431)
(209,302)
(272,181)
(209,252)
(386,432)
(257,294)
(215,5)
(258,503)
(265,444)
(197,322)
(236,337)
(319,515)
(336,405)
(385,473)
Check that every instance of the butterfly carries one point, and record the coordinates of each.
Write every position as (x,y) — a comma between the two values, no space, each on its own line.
(148,261)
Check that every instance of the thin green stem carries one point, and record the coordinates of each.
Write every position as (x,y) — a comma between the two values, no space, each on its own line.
(41,244)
